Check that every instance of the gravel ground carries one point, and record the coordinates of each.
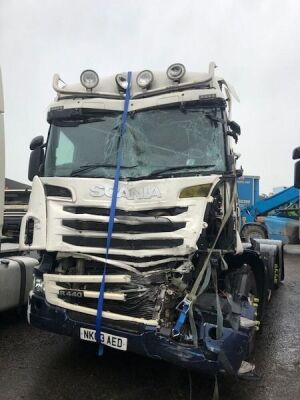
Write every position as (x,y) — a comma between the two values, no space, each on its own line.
(36,364)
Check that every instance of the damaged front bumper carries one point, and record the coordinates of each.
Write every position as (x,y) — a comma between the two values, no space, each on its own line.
(212,356)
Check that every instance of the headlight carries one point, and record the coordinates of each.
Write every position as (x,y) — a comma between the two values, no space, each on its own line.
(176,71)
(38,285)
(196,191)
(144,79)
(121,80)
(89,79)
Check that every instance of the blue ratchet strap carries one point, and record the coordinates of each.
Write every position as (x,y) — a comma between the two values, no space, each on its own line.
(112,214)
(183,308)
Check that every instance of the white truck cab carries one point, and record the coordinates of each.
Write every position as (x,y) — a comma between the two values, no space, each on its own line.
(175,245)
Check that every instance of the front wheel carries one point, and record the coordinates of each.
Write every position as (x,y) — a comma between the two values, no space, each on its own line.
(253,232)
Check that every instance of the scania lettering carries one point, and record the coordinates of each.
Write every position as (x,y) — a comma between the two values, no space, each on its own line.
(179,283)
(130,194)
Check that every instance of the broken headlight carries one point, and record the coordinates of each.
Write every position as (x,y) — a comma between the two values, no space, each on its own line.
(196,191)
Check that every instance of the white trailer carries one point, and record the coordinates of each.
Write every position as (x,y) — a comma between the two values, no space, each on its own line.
(15,270)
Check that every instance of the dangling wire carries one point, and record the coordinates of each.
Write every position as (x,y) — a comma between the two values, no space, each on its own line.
(190,385)
(216,389)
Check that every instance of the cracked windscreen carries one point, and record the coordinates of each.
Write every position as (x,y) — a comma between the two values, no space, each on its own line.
(180,140)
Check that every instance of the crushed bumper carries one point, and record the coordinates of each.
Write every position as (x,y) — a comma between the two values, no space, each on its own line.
(145,340)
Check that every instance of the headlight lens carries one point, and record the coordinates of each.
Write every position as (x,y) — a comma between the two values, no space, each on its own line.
(38,285)
(196,191)
(176,71)
(89,79)
(121,80)
(144,79)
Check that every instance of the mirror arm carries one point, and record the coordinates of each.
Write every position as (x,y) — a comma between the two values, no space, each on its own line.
(234,135)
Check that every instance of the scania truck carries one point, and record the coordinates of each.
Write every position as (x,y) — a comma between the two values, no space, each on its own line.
(149,157)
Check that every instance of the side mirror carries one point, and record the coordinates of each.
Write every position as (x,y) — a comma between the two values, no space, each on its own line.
(239,172)
(234,131)
(234,126)
(296,153)
(297,175)
(36,157)
(38,141)
(296,156)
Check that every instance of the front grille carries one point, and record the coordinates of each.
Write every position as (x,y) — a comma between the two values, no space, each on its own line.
(144,222)
(157,212)
(129,297)
(124,244)
(166,226)
(136,305)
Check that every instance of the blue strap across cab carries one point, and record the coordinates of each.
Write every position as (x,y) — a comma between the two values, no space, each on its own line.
(112,212)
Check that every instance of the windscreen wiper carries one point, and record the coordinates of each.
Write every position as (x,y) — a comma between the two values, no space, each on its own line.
(178,168)
(88,167)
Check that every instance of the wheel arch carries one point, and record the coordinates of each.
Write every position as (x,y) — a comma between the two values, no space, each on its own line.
(255,261)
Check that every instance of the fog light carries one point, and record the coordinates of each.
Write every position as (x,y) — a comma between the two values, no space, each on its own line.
(89,79)
(38,285)
(176,71)
(144,79)
(196,191)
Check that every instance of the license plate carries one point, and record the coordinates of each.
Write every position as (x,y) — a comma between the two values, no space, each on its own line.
(117,342)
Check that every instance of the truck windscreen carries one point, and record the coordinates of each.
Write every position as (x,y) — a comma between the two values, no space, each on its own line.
(158,142)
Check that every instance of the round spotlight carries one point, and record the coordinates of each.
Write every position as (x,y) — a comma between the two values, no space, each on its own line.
(89,79)
(144,79)
(175,72)
(121,80)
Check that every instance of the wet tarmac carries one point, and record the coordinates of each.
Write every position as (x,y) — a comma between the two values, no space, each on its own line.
(38,365)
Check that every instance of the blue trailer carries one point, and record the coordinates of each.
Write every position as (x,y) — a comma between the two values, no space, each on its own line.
(248,190)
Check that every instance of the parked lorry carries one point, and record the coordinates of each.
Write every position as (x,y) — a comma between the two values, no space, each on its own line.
(275,217)
(248,190)
(134,212)
(16,271)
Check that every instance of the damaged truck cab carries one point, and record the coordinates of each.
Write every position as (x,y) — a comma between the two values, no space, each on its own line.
(180,285)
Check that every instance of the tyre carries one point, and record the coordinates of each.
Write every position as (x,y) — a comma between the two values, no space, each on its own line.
(253,232)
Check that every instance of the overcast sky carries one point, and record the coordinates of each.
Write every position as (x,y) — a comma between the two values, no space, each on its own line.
(256,45)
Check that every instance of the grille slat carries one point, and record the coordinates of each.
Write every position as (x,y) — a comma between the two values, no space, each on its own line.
(122,243)
(157,212)
(124,228)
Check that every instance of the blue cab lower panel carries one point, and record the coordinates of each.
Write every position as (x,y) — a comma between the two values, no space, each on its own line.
(212,356)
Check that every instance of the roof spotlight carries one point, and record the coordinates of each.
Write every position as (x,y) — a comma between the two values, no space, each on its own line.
(89,79)
(144,79)
(175,72)
(121,80)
